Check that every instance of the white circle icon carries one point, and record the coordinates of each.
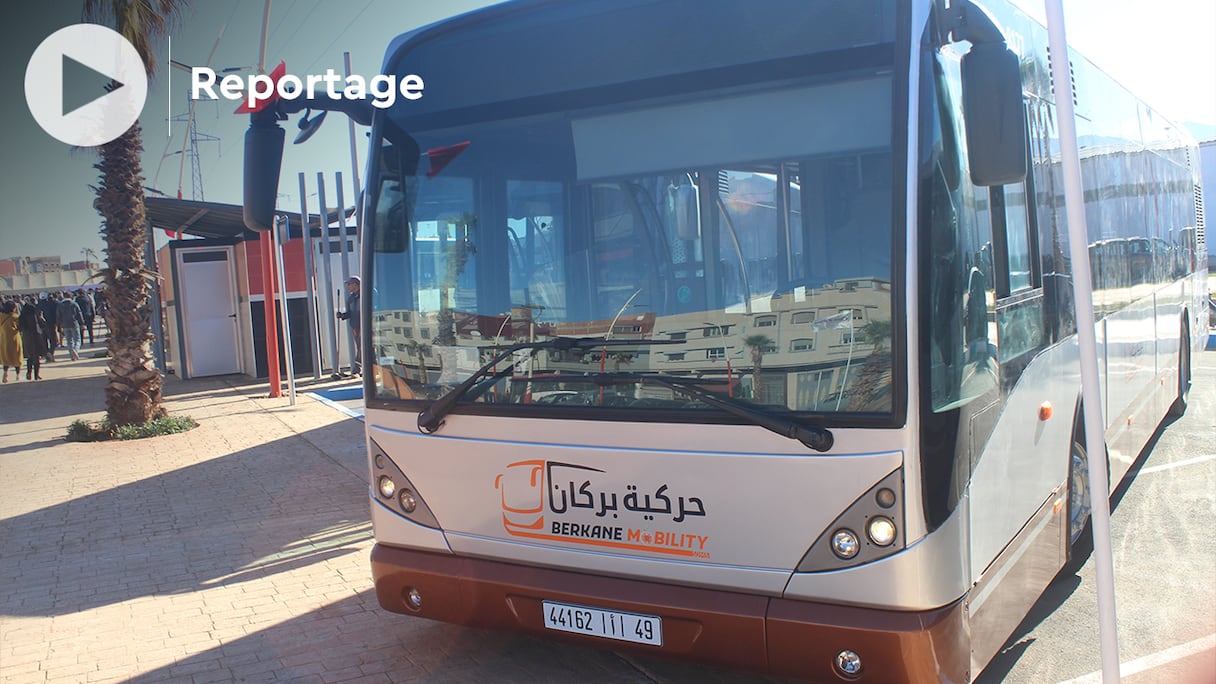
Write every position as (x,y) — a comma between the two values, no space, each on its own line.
(66,84)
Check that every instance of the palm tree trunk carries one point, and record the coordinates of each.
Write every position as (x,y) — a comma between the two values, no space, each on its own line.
(133,395)
(875,375)
(757,358)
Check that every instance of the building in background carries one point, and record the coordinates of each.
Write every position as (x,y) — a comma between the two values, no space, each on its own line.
(23,274)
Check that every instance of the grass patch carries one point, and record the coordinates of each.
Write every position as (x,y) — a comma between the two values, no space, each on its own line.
(84,431)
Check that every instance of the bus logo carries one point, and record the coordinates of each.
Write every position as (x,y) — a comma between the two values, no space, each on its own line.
(523,495)
(570,503)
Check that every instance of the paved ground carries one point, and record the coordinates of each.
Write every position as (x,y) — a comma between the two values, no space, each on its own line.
(237,551)
(1164,557)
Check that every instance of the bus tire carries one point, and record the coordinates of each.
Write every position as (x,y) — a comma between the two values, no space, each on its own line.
(1184,373)
(1080,544)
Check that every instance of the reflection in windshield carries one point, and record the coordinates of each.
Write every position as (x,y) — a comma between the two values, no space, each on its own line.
(770,281)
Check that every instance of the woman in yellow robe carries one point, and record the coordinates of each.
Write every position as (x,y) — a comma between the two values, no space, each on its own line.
(10,339)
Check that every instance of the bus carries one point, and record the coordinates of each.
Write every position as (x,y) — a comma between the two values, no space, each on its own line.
(742,333)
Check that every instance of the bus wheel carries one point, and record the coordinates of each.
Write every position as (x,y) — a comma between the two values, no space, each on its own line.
(1080,526)
(1184,374)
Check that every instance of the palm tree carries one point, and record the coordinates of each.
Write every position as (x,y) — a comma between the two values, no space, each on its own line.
(621,358)
(877,333)
(421,350)
(758,344)
(133,394)
(875,375)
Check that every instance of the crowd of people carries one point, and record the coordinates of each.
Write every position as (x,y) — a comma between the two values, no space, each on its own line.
(33,327)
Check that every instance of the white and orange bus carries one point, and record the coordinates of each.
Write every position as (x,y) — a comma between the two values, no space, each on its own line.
(741,332)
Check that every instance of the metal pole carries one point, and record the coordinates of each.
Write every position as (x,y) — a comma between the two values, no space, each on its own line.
(269,319)
(350,334)
(272,346)
(608,335)
(265,31)
(158,328)
(310,292)
(354,166)
(342,227)
(181,168)
(327,269)
(279,223)
(1078,247)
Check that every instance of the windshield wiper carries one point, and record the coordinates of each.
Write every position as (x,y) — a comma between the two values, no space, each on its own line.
(431,419)
(813,436)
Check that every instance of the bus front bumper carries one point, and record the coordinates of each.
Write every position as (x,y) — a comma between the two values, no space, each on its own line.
(770,635)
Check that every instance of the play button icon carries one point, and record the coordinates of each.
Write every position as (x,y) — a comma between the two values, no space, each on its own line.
(85,85)
(81,84)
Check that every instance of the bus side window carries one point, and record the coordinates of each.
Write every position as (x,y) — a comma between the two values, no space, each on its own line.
(620,255)
(956,251)
(536,246)
(1015,239)
(1019,307)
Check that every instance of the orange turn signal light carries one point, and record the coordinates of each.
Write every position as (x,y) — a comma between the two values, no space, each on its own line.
(1046,411)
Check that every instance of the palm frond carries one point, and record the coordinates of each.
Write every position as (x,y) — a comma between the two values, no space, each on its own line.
(142,22)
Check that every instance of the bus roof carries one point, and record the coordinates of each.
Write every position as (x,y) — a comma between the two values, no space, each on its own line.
(515,51)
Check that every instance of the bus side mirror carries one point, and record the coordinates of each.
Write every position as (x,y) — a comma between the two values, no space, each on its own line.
(994,118)
(263,158)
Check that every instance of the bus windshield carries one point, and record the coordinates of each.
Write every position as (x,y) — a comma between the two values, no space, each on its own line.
(746,227)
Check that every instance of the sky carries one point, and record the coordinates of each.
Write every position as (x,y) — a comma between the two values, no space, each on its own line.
(1164,51)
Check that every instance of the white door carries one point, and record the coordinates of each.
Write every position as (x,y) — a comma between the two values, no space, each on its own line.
(211,343)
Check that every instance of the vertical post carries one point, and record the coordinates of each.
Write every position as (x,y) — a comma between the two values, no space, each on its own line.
(354,165)
(1083,296)
(281,222)
(327,269)
(267,252)
(265,31)
(268,308)
(342,227)
(310,293)
(349,335)
(158,328)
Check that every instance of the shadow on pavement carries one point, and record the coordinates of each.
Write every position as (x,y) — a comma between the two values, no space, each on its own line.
(257,511)
(44,444)
(355,638)
(37,400)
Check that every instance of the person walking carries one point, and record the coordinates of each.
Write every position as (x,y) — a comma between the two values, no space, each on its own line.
(70,324)
(87,311)
(10,339)
(46,306)
(101,307)
(351,316)
(33,339)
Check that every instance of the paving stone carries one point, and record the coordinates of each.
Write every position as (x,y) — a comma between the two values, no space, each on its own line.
(235,552)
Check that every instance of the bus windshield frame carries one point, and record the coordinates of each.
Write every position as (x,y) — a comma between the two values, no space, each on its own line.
(606,203)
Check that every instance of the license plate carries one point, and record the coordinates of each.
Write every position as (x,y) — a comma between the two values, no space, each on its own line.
(611,624)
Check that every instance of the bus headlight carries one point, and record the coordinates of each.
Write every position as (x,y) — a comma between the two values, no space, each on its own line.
(845,543)
(408,501)
(885,498)
(848,664)
(881,530)
(869,529)
(394,491)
